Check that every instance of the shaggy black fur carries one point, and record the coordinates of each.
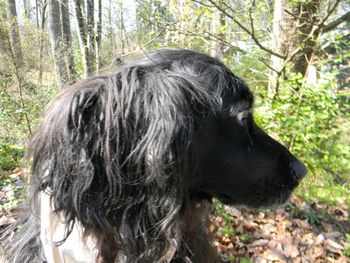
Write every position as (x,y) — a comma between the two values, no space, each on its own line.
(136,157)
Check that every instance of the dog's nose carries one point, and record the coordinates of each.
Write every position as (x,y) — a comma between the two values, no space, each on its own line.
(299,169)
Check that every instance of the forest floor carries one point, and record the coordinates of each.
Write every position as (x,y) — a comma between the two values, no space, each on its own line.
(296,232)
(299,231)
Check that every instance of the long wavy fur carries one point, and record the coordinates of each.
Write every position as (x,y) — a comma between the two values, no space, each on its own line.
(114,153)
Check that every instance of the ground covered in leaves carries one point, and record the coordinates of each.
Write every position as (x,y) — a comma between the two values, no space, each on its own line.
(297,232)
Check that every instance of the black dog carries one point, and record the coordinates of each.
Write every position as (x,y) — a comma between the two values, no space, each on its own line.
(125,165)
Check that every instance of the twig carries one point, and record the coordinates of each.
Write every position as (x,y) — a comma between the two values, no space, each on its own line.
(335,23)
(253,36)
(20,87)
(329,13)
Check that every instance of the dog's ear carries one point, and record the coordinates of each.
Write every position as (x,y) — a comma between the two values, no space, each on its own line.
(109,152)
(67,151)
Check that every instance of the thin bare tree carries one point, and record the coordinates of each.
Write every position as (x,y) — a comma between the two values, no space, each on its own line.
(86,24)
(42,8)
(99,36)
(65,73)
(14,32)
(67,41)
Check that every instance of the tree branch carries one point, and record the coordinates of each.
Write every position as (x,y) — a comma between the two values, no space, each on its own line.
(332,25)
(329,12)
(269,67)
(217,38)
(251,18)
(205,35)
(139,47)
(253,36)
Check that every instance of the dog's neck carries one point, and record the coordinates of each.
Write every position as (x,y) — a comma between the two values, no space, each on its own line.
(195,246)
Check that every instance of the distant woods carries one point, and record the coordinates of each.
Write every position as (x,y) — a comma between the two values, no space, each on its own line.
(84,35)
(278,46)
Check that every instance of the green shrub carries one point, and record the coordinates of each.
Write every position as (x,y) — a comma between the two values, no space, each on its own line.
(347,245)
(13,191)
(10,156)
(310,120)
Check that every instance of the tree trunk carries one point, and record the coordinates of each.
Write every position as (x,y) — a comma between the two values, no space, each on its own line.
(67,41)
(121,29)
(37,4)
(276,42)
(41,40)
(14,34)
(284,40)
(217,46)
(308,35)
(111,34)
(86,26)
(91,36)
(99,36)
(57,43)
(294,36)
(5,43)
(83,35)
(26,4)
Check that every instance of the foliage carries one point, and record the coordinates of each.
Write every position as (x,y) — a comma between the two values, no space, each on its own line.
(219,210)
(15,108)
(10,156)
(324,189)
(149,19)
(13,188)
(308,120)
(22,96)
(347,245)
(244,260)
(251,69)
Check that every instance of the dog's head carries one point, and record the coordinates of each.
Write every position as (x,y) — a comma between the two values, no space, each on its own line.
(239,163)
(232,158)
(124,153)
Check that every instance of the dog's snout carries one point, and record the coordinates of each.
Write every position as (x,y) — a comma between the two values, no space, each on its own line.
(299,169)
(296,168)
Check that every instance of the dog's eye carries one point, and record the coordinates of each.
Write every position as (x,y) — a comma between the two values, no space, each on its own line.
(243,116)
